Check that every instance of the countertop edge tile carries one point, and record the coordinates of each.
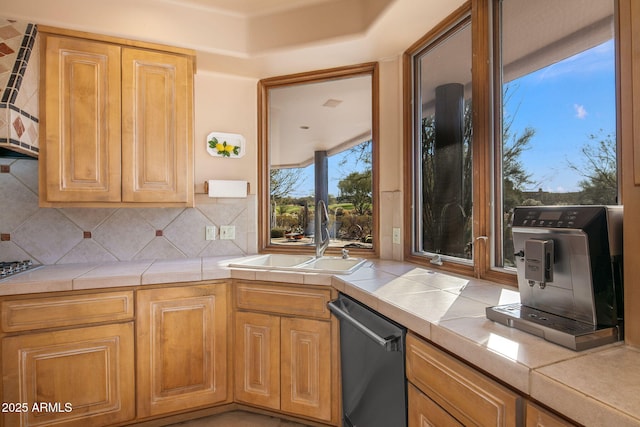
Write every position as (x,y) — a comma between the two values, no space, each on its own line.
(575,405)
(36,287)
(105,282)
(243,274)
(498,365)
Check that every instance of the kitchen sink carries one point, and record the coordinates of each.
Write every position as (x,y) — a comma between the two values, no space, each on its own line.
(273,261)
(301,263)
(335,265)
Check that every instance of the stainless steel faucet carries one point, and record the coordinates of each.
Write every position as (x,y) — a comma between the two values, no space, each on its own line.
(322,224)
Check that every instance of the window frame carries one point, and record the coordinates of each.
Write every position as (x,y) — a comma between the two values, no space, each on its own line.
(486,143)
(264,200)
(482,95)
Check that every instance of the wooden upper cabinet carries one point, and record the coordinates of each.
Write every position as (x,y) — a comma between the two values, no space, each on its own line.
(116,122)
(157,101)
(81,120)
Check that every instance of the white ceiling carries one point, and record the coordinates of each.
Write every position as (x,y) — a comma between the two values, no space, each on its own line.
(252,38)
(249,8)
(325,116)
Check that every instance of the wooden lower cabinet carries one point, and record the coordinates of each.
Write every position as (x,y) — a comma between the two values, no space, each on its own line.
(181,342)
(465,394)
(257,355)
(305,363)
(424,412)
(540,417)
(76,377)
(284,362)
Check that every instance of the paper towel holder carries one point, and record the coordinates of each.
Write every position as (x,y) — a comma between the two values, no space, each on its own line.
(235,188)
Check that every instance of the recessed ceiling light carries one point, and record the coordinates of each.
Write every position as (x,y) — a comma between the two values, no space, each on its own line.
(332,103)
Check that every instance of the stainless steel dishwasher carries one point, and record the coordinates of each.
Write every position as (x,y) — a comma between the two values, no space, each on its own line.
(374,390)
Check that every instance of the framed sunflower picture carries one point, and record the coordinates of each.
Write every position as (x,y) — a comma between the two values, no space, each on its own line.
(229,145)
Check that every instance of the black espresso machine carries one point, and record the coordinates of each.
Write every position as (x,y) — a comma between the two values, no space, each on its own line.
(569,262)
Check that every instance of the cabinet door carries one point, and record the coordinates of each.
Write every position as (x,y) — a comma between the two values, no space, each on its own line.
(307,373)
(81,152)
(539,417)
(182,348)
(424,412)
(467,395)
(157,128)
(257,355)
(77,377)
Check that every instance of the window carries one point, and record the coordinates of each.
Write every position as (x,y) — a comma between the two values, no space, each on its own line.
(540,129)
(558,106)
(442,149)
(318,133)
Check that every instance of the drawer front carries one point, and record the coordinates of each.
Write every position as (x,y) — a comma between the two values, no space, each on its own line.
(283,299)
(60,311)
(472,398)
(539,417)
(424,412)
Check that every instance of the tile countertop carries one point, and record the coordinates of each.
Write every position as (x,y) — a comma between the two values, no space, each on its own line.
(597,387)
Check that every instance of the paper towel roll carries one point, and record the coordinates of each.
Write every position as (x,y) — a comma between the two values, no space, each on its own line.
(227,188)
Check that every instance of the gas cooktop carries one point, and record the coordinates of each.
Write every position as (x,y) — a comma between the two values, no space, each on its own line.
(12,268)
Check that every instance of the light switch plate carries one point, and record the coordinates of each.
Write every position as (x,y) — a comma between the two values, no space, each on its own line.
(210,232)
(227,232)
(396,235)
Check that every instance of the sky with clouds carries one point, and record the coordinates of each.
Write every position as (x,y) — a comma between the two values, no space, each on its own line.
(564,103)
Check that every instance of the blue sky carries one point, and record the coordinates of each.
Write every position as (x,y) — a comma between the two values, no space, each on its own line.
(336,173)
(565,103)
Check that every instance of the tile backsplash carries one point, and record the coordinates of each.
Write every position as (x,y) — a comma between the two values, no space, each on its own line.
(72,235)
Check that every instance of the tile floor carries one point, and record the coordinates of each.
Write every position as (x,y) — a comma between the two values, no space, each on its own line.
(238,419)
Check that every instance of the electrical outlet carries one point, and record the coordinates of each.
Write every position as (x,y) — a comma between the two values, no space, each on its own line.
(227,232)
(396,235)
(210,232)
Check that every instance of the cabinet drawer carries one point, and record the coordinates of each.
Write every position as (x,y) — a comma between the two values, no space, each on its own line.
(282,299)
(423,412)
(539,417)
(59,311)
(470,397)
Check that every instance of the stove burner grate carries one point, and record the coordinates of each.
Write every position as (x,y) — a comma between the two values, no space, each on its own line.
(14,267)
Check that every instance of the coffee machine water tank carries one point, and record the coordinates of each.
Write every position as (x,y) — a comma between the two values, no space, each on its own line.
(538,262)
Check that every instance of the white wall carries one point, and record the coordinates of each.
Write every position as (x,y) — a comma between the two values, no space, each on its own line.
(225,103)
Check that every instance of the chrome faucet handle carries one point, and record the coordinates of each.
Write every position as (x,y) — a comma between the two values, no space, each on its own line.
(345,254)
(321,223)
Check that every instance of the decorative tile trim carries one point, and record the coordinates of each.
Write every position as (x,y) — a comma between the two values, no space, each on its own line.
(21,120)
(15,80)
(5,141)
